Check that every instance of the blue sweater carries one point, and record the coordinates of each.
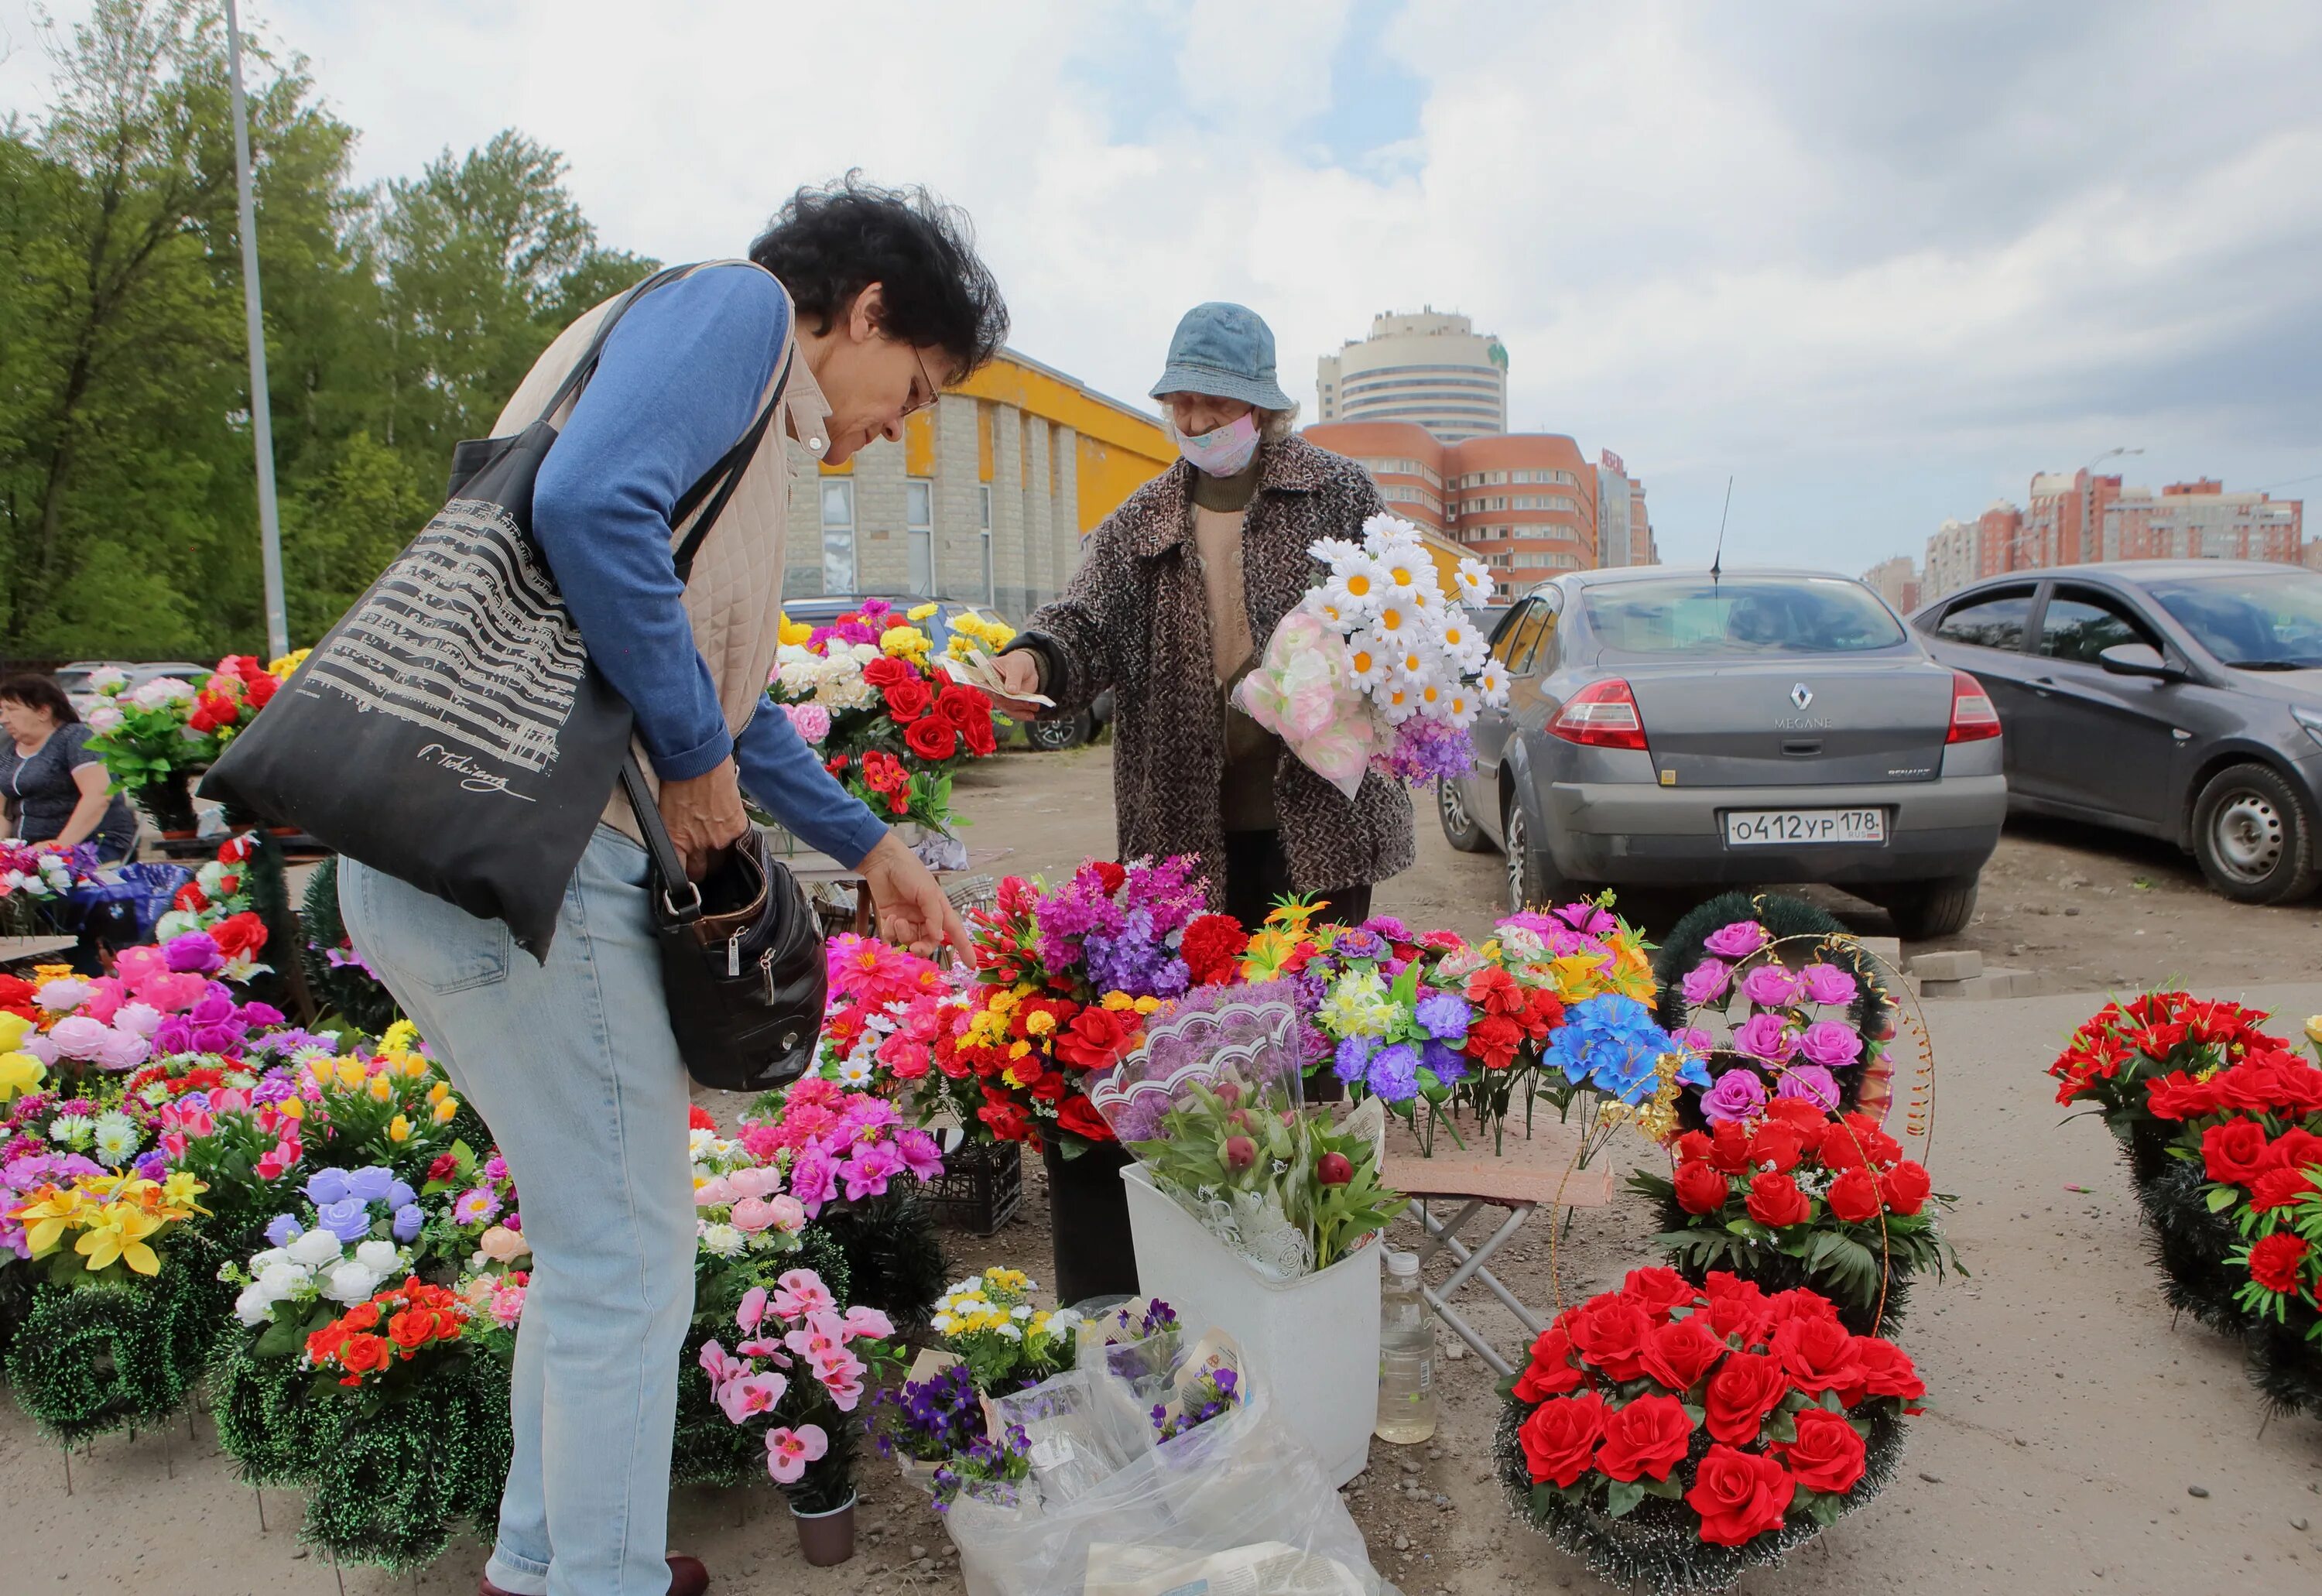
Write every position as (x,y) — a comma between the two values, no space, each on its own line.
(679,384)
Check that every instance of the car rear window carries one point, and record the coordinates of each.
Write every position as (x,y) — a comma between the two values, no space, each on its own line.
(1739,616)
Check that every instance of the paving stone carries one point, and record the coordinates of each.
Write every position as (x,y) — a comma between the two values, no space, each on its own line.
(1957,964)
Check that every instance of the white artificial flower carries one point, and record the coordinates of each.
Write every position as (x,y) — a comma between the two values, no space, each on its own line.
(1404,568)
(1369,657)
(1460,639)
(721,1241)
(381,1257)
(1021,1311)
(698,1143)
(1431,696)
(855,1070)
(116,1138)
(1396,619)
(1330,551)
(1384,529)
(1011,1331)
(103,717)
(254,1305)
(1355,586)
(1397,702)
(1461,705)
(349,1281)
(1491,684)
(1414,661)
(161,690)
(1475,581)
(281,1280)
(108,681)
(943,1324)
(1339,618)
(315,1249)
(261,1261)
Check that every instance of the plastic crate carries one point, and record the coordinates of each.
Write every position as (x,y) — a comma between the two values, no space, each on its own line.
(982,1186)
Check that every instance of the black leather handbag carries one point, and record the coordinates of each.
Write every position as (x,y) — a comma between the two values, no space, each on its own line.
(741,957)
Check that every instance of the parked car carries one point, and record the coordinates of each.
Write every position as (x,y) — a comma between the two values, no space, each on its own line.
(2179,699)
(1071,730)
(1683,728)
(75,677)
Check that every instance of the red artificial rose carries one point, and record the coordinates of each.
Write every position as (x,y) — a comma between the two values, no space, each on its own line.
(1886,1370)
(1745,1389)
(1739,1495)
(884,672)
(2235,1152)
(1646,1439)
(1212,946)
(190,899)
(359,1355)
(931,739)
(1701,1189)
(1798,1114)
(981,740)
(1659,1291)
(1729,1147)
(1854,1197)
(238,934)
(1083,1121)
(2298,1085)
(1691,1148)
(2295,1149)
(1828,1455)
(1008,1122)
(260,690)
(1611,1333)
(1095,1040)
(1551,1373)
(1493,1040)
(1682,1352)
(2275,1261)
(909,699)
(2249,1085)
(1879,1147)
(1738,1315)
(362,1315)
(1799,1303)
(1906,1187)
(1817,1354)
(1775,1201)
(2278,1189)
(1777,1148)
(411,1328)
(1561,1437)
(963,705)
(446,1164)
(1049,1088)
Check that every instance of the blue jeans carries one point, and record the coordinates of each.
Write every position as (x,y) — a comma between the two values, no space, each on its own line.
(572,1065)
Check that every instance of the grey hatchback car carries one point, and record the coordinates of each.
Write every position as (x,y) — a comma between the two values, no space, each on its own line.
(1685,728)
(2180,698)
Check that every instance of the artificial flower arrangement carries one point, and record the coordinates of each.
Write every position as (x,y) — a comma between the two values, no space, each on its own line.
(990,1324)
(36,874)
(354,1232)
(890,723)
(1210,1102)
(1065,981)
(153,732)
(2125,1050)
(1673,1435)
(343,982)
(1798,1198)
(217,902)
(1378,668)
(887,1007)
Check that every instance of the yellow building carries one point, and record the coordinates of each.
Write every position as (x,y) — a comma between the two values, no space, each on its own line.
(986,498)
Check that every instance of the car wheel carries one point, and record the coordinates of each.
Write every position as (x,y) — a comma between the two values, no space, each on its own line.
(1533,880)
(1460,827)
(1924,910)
(1057,734)
(2254,837)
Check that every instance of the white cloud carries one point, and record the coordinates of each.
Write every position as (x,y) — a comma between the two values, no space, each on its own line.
(1878,263)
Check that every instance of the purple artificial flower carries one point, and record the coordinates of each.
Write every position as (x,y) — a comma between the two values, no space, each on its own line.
(409,1219)
(1827,983)
(349,1220)
(197,952)
(1395,1073)
(1358,944)
(1831,1042)
(371,1184)
(1443,1015)
(1739,940)
(282,1230)
(123,1050)
(152,1166)
(327,1185)
(922,1155)
(1694,1040)
(495,1169)
(1707,981)
(814,1178)
(1811,1083)
(872,1167)
(1739,1094)
(399,1194)
(477,1205)
(1587,918)
(1770,986)
(261,1014)
(1389,926)
(1353,1059)
(1766,1036)
(1447,1062)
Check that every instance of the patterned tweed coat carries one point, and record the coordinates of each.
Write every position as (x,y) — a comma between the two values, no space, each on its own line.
(1135,619)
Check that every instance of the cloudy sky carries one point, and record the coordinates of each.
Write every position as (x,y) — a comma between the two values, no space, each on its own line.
(1878,263)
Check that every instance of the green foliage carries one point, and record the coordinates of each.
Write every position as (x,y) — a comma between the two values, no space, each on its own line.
(895,1255)
(399,318)
(388,1490)
(90,1360)
(270,1419)
(347,990)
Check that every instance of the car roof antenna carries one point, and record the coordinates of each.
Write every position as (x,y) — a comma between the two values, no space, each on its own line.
(1717,559)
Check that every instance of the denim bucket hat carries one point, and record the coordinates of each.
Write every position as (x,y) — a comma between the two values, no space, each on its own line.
(1225,351)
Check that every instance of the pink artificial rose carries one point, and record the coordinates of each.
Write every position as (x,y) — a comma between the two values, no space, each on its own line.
(1742,938)
(713,1192)
(76,1037)
(1707,981)
(789,1214)
(758,1181)
(64,995)
(1766,1036)
(1812,1083)
(1827,983)
(752,1214)
(105,999)
(1739,1094)
(141,1019)
(1770,986)
(1831,1044)
(123,1050)
(502,1245)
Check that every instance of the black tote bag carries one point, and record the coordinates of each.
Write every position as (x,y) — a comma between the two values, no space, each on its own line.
(450,731)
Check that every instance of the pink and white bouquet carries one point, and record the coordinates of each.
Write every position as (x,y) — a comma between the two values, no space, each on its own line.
(1378,668)
(741,1209)
(833,1144)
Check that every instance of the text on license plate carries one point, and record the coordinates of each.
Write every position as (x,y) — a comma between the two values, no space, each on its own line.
(1755,828)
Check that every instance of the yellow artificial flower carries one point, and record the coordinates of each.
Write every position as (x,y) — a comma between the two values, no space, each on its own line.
(42,974)
(180,1190)
(120,1233)
(1147,1005)
(920,612)
(796,633)
(293,1107)
(445,1109)
(19,1071)
(14,1029)
(1041,1023)
(398,1129)
(401,1037)
(414,1067)
(53,1210)
(439,1091)
(381,1088)
(351,1073)
(280,669)
(898,641)
(2314,1029)
(1018,1049)
(1117,1001)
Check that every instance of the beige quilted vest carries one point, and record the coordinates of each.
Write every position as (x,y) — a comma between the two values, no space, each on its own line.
(735,596)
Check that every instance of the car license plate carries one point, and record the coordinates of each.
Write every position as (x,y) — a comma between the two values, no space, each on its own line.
(1764,828)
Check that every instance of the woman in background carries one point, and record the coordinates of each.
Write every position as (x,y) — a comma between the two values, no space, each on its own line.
(54,786)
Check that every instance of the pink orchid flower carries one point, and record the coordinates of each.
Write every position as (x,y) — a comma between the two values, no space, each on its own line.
(841,1375)
(720,1366)
(788,1451)
(866,1321)
(752,1308)
(749,1395)
(802,1293)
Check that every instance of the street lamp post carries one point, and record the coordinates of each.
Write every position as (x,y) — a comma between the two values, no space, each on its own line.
(2088,529)
(262,419)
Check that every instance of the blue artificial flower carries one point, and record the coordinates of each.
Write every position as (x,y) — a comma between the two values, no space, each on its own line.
(1395,1073)
(1353,1058)
(369,1184)
(1443,1015)
(1612,1043)
(282,1230)
(349,1219)
(400,1195)
(1449,1064)
(327,1185)
(409,1219)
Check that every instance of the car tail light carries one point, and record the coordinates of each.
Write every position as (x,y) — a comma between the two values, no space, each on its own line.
(1972,716)
(1601,714)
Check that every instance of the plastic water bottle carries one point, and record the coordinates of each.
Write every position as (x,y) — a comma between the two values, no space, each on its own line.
(1407,1380)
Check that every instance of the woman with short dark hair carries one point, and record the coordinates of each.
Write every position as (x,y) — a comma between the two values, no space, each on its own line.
(55,789)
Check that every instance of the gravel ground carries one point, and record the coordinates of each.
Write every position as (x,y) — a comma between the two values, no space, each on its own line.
(2069,1427)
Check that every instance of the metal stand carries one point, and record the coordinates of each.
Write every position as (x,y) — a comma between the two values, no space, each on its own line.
(1473,1264)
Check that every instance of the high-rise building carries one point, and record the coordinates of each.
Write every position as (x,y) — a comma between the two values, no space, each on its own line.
(2201,521)
(1527,504)
(1431,369)
(1897,581)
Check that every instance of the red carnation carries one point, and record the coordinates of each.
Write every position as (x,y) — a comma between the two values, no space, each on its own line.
(1905,1187)
(1561,1437)
(1109,874)
(1211,945)
(1493,1040)
(1745,1389)
(1854,1197)
(696,1118)
(1776,1201)
(933,738)
(1682,1351)
(446,1165)
(2278,1189)
(1739,1495)
(1701,1189)
(2235,1152)
(1817,1354)
(2275,1261)
(260,690)
(1543,1012)
(1828,1455)
(1551,1373)
(1646,1438)
(1611,1332)
(885,672)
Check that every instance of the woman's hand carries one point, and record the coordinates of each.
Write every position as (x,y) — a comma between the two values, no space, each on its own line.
(911,903)
(1020,674)
(705,816)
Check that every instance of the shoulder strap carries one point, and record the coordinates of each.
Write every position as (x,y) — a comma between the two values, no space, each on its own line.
(668,869)
(721,480)
(585,365)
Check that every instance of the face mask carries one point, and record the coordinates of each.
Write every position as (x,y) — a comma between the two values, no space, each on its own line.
(1225,451)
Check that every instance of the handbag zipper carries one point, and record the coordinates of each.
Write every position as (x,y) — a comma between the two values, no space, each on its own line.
(733,955)
(766,968)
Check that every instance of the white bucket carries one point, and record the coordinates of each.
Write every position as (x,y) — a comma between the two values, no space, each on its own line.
(1313,1342)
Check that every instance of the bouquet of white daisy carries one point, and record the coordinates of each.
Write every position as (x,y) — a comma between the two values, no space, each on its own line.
(1378,668)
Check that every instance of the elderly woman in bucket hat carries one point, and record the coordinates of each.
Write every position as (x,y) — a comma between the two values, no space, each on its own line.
(1174,597)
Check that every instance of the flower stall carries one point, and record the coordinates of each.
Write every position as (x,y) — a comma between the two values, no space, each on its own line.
(155,734)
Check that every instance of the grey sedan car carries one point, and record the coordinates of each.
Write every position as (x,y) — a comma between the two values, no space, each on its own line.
(2180,698)
(1681,728)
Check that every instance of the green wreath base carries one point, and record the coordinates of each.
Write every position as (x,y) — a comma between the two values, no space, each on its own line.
(270,1418)
(391,1485)
(90,1360)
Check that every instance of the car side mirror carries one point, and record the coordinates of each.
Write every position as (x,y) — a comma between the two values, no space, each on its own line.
(2139,659)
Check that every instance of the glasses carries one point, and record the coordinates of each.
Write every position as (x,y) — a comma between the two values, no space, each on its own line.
(913,406)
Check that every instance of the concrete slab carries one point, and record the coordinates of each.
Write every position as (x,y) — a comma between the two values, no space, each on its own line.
(1952,964)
